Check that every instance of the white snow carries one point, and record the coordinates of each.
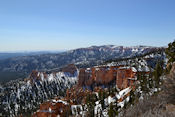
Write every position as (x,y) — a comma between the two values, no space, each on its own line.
(147,69)
(155,90)
(16,107)
(18,94)
(121,104)
(97,109)
(42,76)
(97,94)
(88,68)
(50,77)
(50,110)
(97,102)
(97,69)
(133,69)
(123,92)
(135,50)
(61,101)
(75,109)
(111,64)
(38,74)
(111,100)
(126,67)
(28,83)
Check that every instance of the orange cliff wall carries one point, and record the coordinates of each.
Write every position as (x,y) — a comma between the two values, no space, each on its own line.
(125,78)
(96,75)
(105,75)
(84,78)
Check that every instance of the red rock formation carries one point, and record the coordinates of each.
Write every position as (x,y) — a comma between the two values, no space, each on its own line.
(124,76)
(101,75)
(83,78)
(120,78)
(104,76)
(76,95)
(51,109)
(34,74)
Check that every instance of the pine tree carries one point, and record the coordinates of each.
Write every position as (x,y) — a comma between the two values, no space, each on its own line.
(111,111)
(132,97)
(90,100)
(170,52)
(158,72)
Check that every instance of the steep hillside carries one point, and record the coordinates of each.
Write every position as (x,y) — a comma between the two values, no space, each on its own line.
(24,96)
(160,105)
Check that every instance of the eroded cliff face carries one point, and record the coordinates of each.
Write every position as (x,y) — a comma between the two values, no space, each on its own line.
(84,78)
(104,76)
(52,108)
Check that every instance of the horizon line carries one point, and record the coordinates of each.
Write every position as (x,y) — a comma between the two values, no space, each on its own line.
(64,50)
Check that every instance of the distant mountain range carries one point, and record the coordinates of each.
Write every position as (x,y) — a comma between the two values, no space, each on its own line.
(93,55)
(6,55)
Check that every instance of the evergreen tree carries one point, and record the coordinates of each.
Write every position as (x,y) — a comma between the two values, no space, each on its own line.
(111,111)
(170,52)
(132,97)
(158,72)
(90,100)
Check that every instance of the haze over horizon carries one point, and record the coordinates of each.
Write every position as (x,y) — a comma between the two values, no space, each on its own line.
(63,25)
(65,50)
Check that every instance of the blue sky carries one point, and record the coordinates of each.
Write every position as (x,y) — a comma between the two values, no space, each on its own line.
(68,24)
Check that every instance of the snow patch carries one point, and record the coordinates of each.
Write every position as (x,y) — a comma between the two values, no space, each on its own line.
(123,92)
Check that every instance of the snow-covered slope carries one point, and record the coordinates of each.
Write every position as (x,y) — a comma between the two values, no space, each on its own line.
(21,96)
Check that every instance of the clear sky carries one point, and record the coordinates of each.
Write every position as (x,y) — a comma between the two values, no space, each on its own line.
(67,24)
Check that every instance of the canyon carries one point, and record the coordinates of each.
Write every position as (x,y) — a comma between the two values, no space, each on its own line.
(91,80)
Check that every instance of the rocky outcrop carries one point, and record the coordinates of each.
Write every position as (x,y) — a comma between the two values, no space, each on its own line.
(96,76)
(125,77)
(52,108)
(34,75)
(84,78)
(104,75)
